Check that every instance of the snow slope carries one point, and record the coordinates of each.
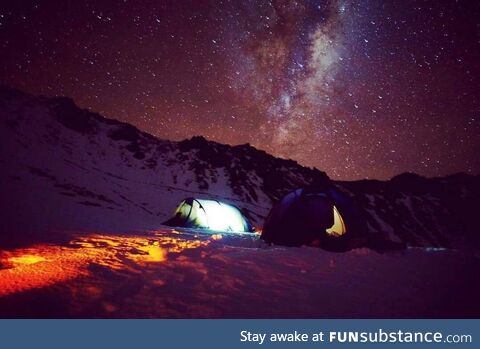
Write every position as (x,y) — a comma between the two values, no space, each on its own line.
(420,211)
(67,169)
(171,273)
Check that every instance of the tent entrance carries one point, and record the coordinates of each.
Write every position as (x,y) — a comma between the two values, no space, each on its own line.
(338,228)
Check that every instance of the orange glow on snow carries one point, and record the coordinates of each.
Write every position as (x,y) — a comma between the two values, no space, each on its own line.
(44,265)
(26,259)
(37,266)
(155,253)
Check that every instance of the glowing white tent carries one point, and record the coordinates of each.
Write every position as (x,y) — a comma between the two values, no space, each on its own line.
(209,214)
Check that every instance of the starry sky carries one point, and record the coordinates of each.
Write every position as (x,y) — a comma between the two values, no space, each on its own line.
(358,89)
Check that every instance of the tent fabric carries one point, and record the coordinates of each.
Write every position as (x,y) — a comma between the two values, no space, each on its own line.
(209,214)
(313,216)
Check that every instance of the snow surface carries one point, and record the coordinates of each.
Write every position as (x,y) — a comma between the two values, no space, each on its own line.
(171,273)
(82,213)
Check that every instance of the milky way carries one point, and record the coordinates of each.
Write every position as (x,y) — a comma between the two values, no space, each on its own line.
(359,89)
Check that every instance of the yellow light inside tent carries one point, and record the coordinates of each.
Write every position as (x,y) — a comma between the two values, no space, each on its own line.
(338,228)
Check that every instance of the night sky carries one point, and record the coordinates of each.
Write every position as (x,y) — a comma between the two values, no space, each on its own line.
(359,89)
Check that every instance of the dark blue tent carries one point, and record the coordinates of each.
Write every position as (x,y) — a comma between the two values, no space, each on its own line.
(319,216)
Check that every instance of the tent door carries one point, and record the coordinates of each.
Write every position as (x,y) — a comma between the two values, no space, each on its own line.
(338,228)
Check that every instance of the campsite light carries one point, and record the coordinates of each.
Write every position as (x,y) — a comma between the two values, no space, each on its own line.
(338,228)
(221,216)
(209,214)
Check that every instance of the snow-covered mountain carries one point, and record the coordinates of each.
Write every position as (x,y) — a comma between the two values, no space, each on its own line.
(67,169)
(420,211)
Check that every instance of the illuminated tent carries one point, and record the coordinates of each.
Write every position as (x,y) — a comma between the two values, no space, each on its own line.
(209,214)
(313,216)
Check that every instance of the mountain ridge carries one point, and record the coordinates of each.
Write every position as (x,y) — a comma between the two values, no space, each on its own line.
(105,174)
